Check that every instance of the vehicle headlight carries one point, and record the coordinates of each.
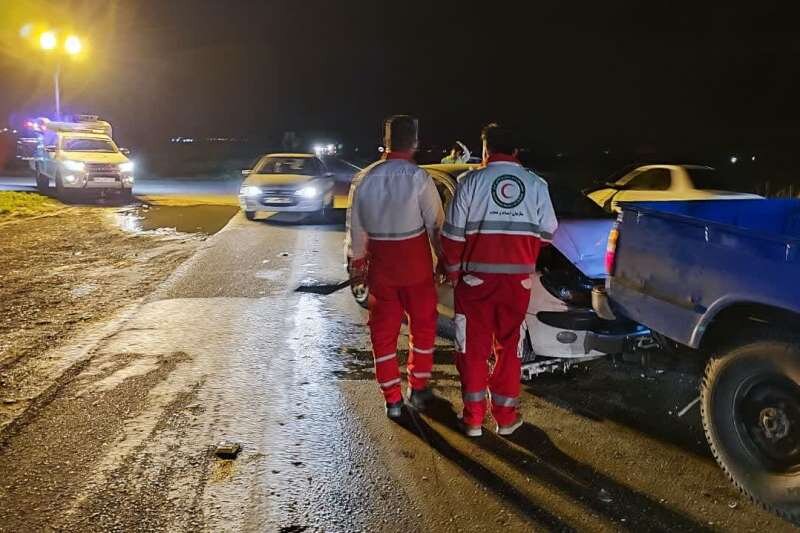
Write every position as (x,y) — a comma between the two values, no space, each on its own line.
(126,167)
(250,190)
(308,192)
(75,166)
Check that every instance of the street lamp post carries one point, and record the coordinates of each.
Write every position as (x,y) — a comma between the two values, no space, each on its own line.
(57,86)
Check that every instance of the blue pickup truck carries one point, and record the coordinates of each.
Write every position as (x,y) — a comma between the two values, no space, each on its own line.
(723,277)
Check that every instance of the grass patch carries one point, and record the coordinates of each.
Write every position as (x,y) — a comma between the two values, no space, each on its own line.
(24,204)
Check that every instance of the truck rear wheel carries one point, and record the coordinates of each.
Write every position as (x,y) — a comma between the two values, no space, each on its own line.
(750,404)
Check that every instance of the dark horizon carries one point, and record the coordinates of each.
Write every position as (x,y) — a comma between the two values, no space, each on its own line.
(616,75)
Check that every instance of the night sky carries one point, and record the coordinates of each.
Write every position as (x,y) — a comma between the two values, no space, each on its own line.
(567,74)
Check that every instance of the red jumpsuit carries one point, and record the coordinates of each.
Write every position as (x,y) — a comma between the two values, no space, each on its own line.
(491,239)
(395,215)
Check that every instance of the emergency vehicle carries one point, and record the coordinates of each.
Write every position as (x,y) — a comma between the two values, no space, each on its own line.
(79,155)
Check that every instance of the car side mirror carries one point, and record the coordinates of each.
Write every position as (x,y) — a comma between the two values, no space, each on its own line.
(246,172)
(125,151)
(51,149)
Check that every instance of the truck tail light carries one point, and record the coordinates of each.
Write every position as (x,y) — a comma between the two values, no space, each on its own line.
(611,250)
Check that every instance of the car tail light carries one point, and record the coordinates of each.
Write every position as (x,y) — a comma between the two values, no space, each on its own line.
(611,250)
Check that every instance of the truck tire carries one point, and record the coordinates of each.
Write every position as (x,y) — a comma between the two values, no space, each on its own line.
(250,215)
(750,406)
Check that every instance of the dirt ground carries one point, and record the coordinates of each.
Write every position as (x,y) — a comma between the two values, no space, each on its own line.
(63,273)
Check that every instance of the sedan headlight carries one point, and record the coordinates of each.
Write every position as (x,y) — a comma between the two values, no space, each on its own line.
(75,166)
(126,167)
(308,192)
(250,190)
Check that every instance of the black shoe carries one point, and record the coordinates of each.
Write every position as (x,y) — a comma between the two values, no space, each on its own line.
(394,410)
(419,398)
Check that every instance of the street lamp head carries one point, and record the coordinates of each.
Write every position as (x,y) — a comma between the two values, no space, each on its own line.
(73,45)
(48,40)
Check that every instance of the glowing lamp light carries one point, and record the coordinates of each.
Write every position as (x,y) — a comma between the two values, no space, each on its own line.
(26,31)
(48,40)
(73,45)
(734,159)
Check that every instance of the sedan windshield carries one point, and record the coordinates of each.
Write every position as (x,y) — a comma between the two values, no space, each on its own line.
(569,203)
(88,145)
(307,166)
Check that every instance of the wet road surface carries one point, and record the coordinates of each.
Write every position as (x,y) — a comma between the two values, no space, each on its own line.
(226,349)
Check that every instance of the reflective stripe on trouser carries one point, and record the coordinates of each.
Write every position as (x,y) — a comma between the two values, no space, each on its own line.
(489,316)
(387,307)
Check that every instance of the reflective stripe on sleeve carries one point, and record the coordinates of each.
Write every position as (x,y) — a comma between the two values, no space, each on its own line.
(383,358)
(504,401)
(474,396)
(452,268)
(397,236)
(453,232)
(421,374)
(390,383)
(500,268)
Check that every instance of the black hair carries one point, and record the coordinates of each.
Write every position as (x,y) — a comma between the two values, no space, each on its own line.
(499,140)
(400,133)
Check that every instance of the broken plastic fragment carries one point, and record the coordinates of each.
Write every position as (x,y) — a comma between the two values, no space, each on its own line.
(227,449)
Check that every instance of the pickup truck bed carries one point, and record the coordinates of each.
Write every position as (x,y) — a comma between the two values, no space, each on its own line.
(679,264)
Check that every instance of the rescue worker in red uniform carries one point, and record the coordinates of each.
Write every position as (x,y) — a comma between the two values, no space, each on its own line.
(394,219)
(491,238)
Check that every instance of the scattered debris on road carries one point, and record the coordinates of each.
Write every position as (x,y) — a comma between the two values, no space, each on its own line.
(227,449)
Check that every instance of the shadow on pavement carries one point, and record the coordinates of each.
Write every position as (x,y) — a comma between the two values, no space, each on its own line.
(647,400)
(417,426)
(548,464)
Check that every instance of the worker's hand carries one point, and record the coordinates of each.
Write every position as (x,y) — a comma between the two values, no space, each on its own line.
(358,269)
(452,278)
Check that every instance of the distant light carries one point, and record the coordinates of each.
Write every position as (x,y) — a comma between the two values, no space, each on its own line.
(734,159)
(73,45)
(26,30)
(381,149)
(15,131)
(753,158)
(48,40)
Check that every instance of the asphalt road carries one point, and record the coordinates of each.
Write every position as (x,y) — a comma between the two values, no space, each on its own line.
(227,349)
(223,191)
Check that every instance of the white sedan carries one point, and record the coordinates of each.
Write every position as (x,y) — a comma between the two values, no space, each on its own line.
(298,183)
(653,183)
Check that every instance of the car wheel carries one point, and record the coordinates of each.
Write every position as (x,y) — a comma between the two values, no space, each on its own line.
(59,187)
(750,406)
(250,215)
(126,196)
(527,355)
(42,183)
